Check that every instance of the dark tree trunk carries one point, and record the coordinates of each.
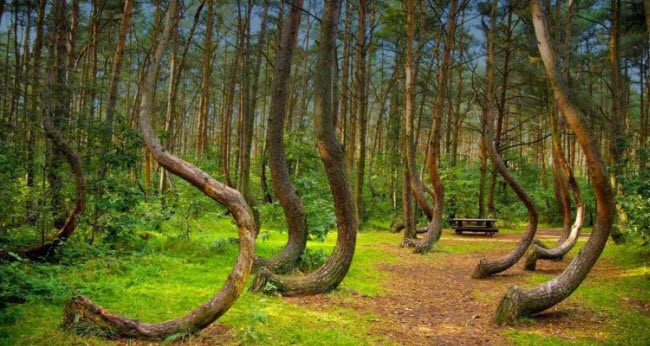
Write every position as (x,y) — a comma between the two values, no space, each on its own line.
(334,270)
(361,97)
(206,73)
(617,140)
(294,211)
(82,315)
(521,302)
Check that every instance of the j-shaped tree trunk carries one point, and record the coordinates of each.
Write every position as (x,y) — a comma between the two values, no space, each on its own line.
(330,275)
(521,302)
(485,267)
(58,96)
(82,315)
(434,228)
(294,211)
(537,250)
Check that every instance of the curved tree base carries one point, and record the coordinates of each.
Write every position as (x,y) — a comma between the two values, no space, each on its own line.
(324,280)
(536,253)
(294,286)
(282,263)
(482,270)
(84,317)
(511,309)
(261,280)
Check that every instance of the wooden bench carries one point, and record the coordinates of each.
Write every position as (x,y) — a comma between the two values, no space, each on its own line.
(474,226)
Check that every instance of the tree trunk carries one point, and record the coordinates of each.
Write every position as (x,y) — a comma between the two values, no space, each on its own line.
(330,275)
(206,74)
(81,315)
(486,268)
(292,206)
(34,106)
(617,142)
(410,140)
(344,101)
(361,98)
(434,229)
(521,302)
(565,177)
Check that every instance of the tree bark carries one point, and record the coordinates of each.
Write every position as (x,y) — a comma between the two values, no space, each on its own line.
(81,315)
(565,174)
(617,142)
(521,302)
(361,88)
(285,191)
(414,180)
(334,270)
(434,228)
(486,268)
(206,74)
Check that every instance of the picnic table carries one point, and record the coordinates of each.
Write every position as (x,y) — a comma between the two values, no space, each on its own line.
(474,225)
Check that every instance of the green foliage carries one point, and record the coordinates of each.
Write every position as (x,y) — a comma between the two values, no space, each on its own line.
(23,282)
(312,259)
(636,204)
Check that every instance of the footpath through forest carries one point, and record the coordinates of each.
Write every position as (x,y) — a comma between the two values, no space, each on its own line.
(433,299)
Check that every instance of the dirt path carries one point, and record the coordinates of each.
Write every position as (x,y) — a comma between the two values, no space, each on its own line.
(433,300)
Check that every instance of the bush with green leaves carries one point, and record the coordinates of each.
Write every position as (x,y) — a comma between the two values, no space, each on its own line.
(636,204)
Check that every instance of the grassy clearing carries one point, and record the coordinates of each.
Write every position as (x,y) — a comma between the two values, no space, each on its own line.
(169,276)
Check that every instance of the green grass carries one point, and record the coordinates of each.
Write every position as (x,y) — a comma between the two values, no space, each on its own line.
(176,275)
(167,277)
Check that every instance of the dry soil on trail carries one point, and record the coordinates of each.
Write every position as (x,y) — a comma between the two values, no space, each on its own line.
(432,299)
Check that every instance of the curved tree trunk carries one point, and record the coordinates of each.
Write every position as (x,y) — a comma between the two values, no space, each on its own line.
(57,92)
(486,268)
(521,302)
(294,211)
(330,275)
(537,250)
(82,315)
(434,229)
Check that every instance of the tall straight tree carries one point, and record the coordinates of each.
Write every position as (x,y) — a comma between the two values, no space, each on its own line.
(617,142)
(361,97)
(414,179)
(206,75)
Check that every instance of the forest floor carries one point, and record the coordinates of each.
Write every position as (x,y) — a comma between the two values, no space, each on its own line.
(391,296)
(437,302)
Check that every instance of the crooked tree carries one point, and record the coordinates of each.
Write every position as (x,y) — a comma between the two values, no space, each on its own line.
(521,302)
(335,268)
(82,315)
